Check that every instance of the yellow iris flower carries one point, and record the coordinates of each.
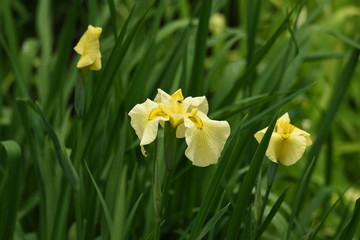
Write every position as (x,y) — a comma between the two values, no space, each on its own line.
(204,137)
(89,49)
(287,143)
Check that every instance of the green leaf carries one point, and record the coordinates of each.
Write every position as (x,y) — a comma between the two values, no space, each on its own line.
(271,214)
(108,218)
(350,229)
(214,191)
(10,188)
(200,49)
(212,222)
(244,195)
(61,155)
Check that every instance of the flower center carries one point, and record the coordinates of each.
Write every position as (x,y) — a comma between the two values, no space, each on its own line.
(194,118)
(161,111)
(284,129)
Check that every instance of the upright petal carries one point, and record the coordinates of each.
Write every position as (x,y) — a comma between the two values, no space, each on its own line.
(206,143)
(163,97)
(200,103)
(287,151)
(284,118)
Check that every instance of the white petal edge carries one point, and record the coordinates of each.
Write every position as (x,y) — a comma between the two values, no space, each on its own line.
(205,145)
(163,97)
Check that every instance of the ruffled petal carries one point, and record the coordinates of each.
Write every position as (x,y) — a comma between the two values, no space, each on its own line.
(287,151)
(205,144)
(200,103)
(163,97)
(145,129)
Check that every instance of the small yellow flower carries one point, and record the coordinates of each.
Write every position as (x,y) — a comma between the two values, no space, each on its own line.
(287,143)
(89,49)
(205,137)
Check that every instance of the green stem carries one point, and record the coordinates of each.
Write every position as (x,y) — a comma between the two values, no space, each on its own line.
(80,97)
(163,172)
(272,170)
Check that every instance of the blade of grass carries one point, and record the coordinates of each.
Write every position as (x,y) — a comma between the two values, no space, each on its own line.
(113,17)
(64,49)
(252,16)
(10,196)
(200,49)
(214,191)
(257,59)
(212,222)
(271,214)
(350,229)
(108,218)
(327,213)
(244,195)
(130,217)
(16,67)
(61,155)
(295,206)
(103,86)
(338,94)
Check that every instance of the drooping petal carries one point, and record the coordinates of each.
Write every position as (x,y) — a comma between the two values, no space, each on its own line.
(287,151)
(200,103)
(206,143)
(89,49)
(146,127)
(180,131)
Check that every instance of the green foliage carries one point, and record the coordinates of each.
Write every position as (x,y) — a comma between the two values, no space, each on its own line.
(70,161)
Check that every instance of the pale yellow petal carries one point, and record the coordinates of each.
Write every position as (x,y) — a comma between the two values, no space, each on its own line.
(145,129)
(260,134)
(287,151)
(299,132)
(200,103)
(163,97)
(205,144)
(180,131)
(150,131)
(284,118)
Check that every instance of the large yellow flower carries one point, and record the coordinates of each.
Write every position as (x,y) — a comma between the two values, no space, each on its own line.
(89,49)
(287,143)
(205,137)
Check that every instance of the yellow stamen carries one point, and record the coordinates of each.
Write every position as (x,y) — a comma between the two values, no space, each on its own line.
(194,118)
(284,129)
(159,112)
